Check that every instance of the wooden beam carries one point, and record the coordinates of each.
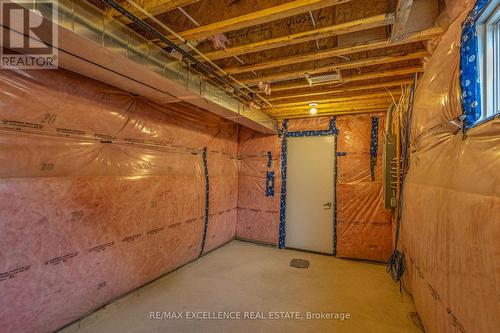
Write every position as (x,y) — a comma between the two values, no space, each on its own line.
(154,7)
(305,102)
(290,75)
(341,90)
(301,37)
(369,103)
(403,10)
(329,113)
(383,94)
(259,17)
(376,108)
(353,78)
(339,51)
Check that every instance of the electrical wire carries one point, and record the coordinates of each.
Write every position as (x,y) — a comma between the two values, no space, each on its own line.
(196,50)
(207,71)
(396,264)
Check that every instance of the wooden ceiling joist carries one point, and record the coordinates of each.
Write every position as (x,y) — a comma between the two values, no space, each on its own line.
(385,101)
(336,107)
(259,17)
(357,88)
(327,113)
(339,51)
(403,10)
(343,109)
(301,37)
(383,94)
(353,78)
(290,75)
(371,90)
(346,90)
(153,7)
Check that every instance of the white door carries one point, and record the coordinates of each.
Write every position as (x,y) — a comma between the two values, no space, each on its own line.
(310,193)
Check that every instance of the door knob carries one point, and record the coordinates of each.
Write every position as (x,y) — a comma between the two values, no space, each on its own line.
(327,206)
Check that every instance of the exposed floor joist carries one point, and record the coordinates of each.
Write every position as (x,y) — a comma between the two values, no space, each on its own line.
(339,51)
(335,91)
(301,37)
(153,7)
(327,113)
(403,10)
(368,104)
(366,100)
(290,75)
(383,94)
(353,78)
(258,17)
(286,40)
(333,111)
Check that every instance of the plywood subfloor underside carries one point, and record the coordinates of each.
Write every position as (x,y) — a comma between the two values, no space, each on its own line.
(246,277)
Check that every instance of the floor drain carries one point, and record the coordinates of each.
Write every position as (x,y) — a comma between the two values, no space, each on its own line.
(299,263)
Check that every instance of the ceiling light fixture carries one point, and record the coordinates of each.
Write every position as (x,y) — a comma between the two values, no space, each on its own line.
(313,111)
(313,104)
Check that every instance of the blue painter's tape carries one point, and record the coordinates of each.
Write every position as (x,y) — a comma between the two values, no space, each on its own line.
(269,159)
(270,184)
(469,66)
(374,146)
(282,235)
(374,138)
(207,195)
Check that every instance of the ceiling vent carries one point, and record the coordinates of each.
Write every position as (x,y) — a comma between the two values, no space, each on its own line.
(325,78)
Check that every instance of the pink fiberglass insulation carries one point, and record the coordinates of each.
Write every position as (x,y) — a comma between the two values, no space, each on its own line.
(101,193)
(363,224)
(258,214)
(223,201)
(450,228)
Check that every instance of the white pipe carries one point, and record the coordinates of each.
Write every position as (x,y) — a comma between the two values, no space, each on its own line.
(314,26)
(188,16)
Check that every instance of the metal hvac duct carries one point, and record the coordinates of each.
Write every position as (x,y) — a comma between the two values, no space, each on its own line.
(96,45)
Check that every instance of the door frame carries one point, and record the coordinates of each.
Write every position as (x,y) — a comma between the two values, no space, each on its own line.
(285,134)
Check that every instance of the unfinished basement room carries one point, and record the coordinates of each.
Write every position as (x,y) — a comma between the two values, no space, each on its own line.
(250,166)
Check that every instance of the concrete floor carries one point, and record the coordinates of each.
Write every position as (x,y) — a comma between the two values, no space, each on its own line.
(242,277)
